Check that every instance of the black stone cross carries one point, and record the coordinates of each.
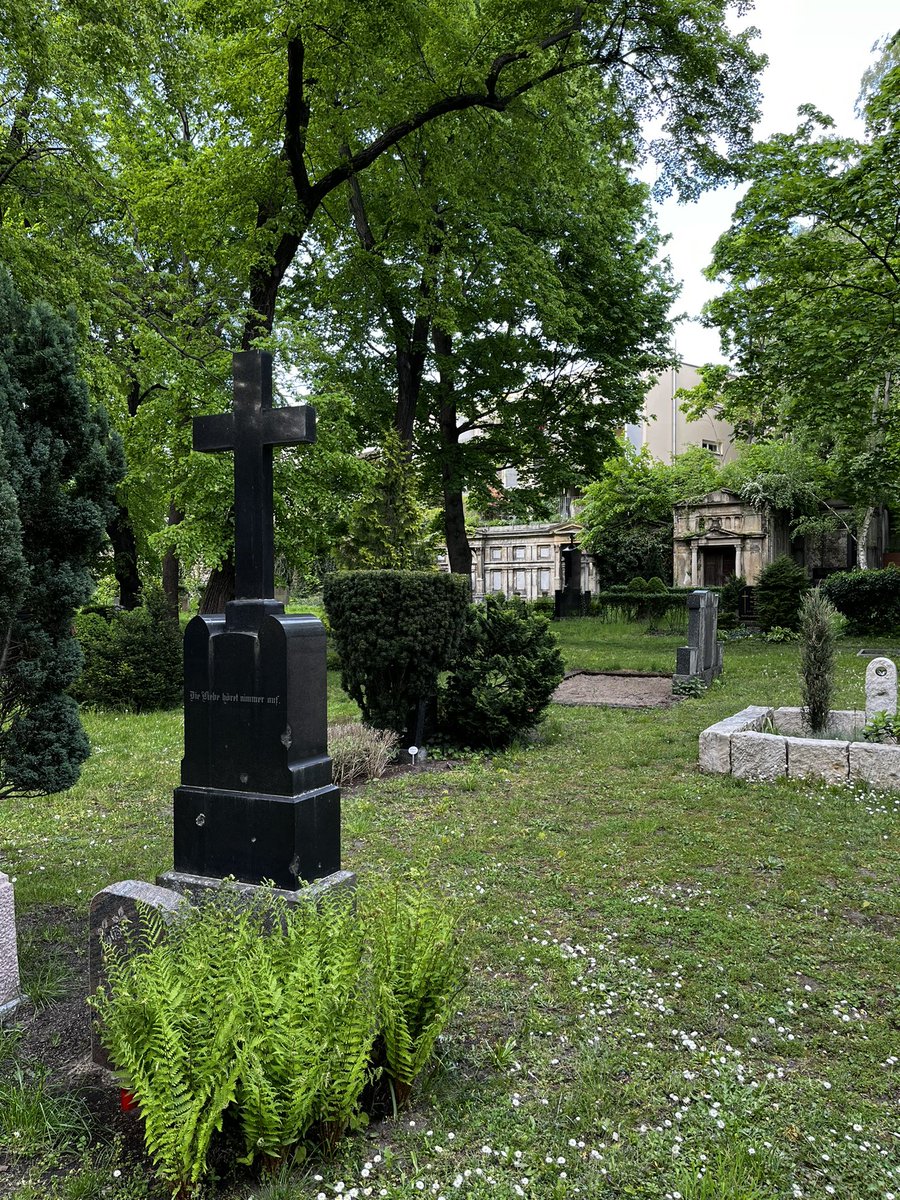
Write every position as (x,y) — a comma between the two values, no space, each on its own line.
(251,431)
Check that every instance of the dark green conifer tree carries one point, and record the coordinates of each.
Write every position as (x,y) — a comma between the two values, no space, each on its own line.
(59,468)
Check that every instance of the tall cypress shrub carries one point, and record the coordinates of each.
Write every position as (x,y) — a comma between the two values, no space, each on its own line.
(817,654)
(59,469)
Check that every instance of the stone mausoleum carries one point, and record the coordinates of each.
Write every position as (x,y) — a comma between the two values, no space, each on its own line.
(523,560)
(722,535)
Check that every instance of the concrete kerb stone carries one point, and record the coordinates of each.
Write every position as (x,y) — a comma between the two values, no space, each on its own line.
(758,756)
(875,764)
(818,758)
(715,742)
(843,724)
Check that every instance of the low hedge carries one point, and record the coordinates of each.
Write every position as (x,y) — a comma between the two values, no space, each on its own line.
(132,660)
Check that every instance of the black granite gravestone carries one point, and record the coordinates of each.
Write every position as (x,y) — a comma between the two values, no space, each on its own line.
(570,600)
(256,799)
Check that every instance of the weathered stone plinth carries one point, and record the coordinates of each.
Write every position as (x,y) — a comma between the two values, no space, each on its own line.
(10,990)
(113,911)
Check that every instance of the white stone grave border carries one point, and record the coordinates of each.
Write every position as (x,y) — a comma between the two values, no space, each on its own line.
(739,746)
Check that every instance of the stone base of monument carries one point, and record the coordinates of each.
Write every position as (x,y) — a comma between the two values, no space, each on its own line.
(219,833)
(126,901)
(195,887)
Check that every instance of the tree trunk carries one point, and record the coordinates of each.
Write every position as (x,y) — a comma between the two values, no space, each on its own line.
(121,535)
(459,552)
(862,537)
(171,567)
(219,587)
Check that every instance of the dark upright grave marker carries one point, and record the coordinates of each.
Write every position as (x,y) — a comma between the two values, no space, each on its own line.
(570,600)
(701,658)
(256,799)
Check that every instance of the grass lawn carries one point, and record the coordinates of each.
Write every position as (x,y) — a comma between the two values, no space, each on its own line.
(682,986)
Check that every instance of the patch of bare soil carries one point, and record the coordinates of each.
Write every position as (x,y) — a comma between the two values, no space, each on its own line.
(56,1036)
(615,689)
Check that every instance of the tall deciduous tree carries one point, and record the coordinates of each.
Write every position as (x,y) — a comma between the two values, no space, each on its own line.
(494,324)
(60,467)
(289,106)
(809,315)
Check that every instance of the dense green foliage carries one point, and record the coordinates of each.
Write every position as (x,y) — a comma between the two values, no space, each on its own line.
(174,170)
(627,513)
(59,468)
(870,600)
(395,631)
(132,660)
(504,673)
(808,315)
(778,593)
(278,1018)
(818,646)
(387,526)
(729,601)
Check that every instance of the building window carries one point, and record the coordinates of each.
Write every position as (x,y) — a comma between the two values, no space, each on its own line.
(543,551)
(519,581)
(510,477)
(496,581)
(519,553)
(544,581)
(712,447)
(496,553)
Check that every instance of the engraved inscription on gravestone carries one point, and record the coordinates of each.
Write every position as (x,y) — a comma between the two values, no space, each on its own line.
(256,799)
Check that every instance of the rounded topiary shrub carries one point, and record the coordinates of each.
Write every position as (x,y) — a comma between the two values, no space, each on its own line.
(132,660)
(506,671)
(870,600)
(394,631)
(778,593)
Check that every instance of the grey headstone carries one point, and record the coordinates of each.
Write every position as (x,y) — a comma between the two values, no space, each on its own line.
(881,687)
(110,910)
(10,993)
(702,656)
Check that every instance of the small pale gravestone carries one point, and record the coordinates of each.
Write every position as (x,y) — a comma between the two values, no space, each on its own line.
(881,688)
(110,910)
(701,658)
(10,993)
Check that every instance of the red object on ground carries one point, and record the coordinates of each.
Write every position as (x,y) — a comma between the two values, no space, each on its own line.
(127,1102)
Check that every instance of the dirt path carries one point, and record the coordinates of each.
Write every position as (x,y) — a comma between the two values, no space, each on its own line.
(616,689)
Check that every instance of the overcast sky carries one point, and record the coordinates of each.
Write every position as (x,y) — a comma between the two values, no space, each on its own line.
(818,51)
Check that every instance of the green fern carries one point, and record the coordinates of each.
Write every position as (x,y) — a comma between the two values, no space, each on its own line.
(417,962)
(273,1012)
